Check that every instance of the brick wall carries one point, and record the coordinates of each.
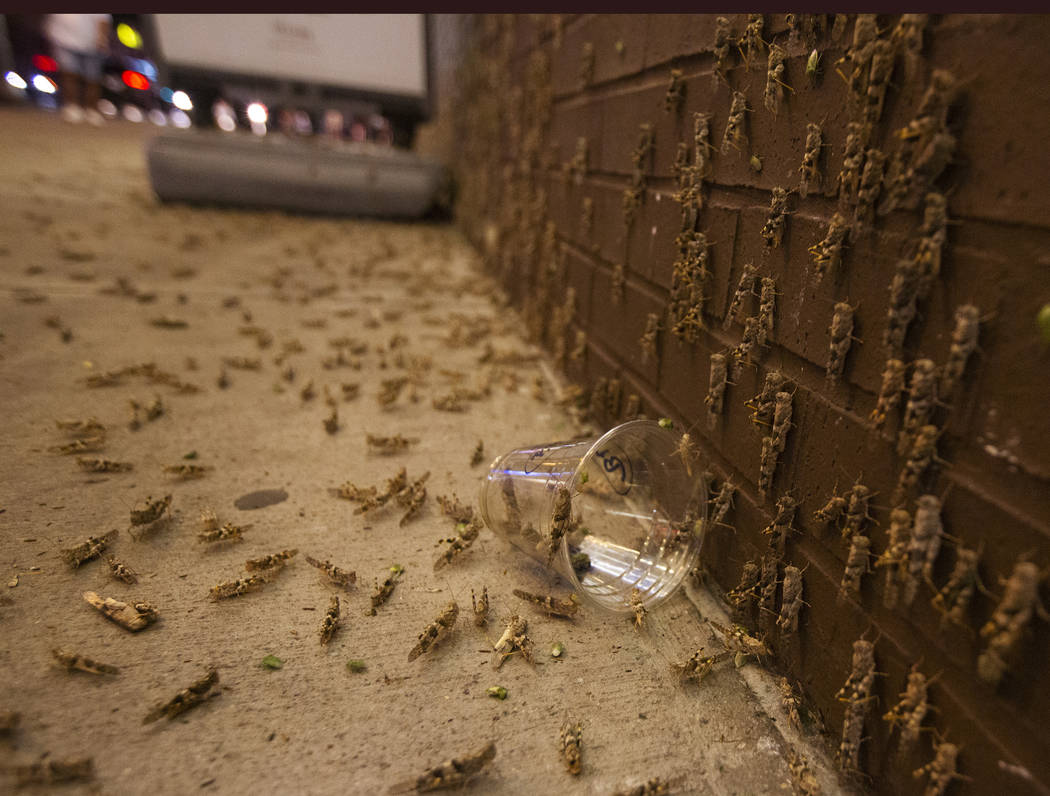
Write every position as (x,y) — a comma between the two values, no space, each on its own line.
(548,116)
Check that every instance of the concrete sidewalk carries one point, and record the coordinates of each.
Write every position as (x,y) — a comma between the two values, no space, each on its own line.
(83,239)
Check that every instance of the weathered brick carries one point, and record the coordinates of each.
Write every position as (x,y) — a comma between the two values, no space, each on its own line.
(621,326)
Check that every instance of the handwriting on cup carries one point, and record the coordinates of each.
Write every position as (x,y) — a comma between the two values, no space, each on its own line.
(617,470)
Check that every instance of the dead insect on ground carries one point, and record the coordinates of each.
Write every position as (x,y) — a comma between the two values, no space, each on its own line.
(187,472)
(790,702)
(895,556)
(53,772)
(744,288)
(735,134)
(654,786)
(382,591)
(270,562)
(514,639)
(154,409)
(454,773)
(791,601)
(81,428)
(337,575)
(103,465)
(390,390)
(389,445)
(71,661)
(909,712)
(436,631)
(741,643)
(228,532)
(571,741)
(90,548)
(775,85)
(121,571)
(331,423)
(553,606)
(638,607)
(802,777)
(85,445)
(130,616)
(1004,630)
(698,666)
(841,333)
(827,253)
(195,694)
(922,396)
(941,770)
(481,607)
(238,587)
(964,343)
(242,363)
(810,168)
(330,623)
(8,722)
(889,393)
(466,534)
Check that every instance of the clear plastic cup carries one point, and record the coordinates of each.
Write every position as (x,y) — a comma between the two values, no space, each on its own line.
(612,514)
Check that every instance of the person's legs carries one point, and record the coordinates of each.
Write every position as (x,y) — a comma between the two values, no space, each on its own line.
(91,70)
(69,77)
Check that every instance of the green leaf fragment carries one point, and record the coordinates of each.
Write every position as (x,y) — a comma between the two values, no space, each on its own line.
(272,662)
(557,650)
(665,422)
(1042,319)
(812,63)
(356,665)
(497,691)
(581,562)
(396,569)
(190,455)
